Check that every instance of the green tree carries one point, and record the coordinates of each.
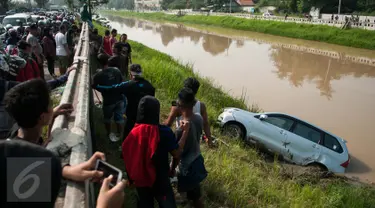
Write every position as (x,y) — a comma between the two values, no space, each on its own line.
(70,4)
(300,6)
(165,3)
(41,3)
(4,5)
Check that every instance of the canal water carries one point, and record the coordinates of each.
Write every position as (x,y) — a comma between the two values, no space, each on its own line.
(328,85)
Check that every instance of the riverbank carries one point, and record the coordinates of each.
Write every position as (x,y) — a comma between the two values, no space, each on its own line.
(354,37)
(238,176)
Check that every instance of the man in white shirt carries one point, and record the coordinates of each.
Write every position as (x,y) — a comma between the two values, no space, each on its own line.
(62,50)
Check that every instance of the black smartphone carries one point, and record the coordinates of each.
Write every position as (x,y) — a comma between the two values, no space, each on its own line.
(174,103)
(108,170)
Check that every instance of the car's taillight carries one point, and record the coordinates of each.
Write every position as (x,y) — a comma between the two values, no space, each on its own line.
(346,163)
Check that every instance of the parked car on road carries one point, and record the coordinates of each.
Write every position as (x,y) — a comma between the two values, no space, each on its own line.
(10,12)
(268,14)
(16,18)
(297,141)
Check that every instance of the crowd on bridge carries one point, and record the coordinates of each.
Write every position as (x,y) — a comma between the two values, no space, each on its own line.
(151,151)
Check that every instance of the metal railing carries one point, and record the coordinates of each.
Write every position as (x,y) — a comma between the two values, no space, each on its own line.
(71,135)
(334,23)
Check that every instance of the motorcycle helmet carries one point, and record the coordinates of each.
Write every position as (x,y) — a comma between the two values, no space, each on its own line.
(8,26)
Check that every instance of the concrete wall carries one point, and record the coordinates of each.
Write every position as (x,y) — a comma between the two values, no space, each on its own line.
(342,17)
(71,135)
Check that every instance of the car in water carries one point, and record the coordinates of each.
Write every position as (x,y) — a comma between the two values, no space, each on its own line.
(295,140)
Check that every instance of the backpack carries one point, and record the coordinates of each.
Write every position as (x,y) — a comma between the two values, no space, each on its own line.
(6,121)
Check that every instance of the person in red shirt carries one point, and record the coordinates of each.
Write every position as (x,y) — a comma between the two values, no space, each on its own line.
(49,50)
(31,70)
(113,39)
(107,43)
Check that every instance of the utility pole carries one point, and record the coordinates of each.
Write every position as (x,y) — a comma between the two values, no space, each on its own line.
(230,6)
(339,7)
(89,5)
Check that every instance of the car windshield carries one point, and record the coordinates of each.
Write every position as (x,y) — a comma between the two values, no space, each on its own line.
(13,21)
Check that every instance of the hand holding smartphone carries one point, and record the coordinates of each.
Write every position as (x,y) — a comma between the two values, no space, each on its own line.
(108,170)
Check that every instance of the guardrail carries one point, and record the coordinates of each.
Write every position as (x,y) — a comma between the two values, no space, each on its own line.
(71,135)
(334,23)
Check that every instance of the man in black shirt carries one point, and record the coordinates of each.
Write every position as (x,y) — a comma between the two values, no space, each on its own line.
(118,60)
(134,90)
(126,48)
(113,102)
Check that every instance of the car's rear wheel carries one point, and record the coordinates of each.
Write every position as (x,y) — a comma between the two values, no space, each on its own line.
(318,169)
(234,130)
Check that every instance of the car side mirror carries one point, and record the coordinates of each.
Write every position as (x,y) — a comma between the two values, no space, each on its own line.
(263,117)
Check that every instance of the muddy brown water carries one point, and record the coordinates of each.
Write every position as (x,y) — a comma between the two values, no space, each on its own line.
(330,86)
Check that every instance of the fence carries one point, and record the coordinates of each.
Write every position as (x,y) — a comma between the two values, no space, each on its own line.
(71,135)
(339,23)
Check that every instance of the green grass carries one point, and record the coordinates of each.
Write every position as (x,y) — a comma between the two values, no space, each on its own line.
(358,38)
(238,175)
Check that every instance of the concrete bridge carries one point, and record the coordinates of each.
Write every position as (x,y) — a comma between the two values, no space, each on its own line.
(71,135)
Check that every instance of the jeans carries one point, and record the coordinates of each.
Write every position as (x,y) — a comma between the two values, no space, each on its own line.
(146,196)
(128,127)
(116,111)
(51,65)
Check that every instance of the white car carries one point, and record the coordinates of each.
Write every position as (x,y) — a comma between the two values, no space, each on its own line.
(16,18)
(295,140)
(268,14)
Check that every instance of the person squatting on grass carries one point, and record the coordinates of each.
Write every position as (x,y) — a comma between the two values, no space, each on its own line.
(30,105)
(113,102)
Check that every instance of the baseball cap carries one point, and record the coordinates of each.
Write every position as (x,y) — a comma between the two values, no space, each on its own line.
(136,70)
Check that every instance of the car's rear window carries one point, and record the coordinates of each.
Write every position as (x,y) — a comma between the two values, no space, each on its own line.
(331,143)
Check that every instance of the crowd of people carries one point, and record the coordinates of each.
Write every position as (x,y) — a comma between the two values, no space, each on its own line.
(26,107)
(151,151)
(147,143)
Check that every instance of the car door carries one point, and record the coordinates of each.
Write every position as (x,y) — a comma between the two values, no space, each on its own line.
(303,143)
(271,132)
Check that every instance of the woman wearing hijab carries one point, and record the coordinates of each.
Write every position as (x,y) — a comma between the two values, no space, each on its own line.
(145,153)
(49,50)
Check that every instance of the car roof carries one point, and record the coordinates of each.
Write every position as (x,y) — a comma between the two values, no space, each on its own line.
(18,15)
(306,123)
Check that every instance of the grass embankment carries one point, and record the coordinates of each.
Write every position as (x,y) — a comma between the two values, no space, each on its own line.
(238,175)
(353,37)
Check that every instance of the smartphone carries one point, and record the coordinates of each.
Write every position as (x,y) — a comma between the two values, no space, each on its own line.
(174,103)
(108,170)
